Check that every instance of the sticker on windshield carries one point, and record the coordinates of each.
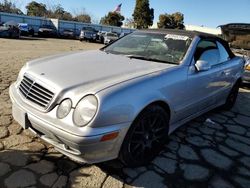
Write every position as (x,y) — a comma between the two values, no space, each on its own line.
(175,37)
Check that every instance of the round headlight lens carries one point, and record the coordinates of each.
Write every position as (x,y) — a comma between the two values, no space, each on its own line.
(85,110)
(64,108)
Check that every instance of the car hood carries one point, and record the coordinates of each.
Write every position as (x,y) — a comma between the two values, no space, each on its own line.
(112,38)
(89,70)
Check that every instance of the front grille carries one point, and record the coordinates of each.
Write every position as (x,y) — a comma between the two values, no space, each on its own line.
(35,93)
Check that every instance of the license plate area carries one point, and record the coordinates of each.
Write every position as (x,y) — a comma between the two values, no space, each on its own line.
(20,116)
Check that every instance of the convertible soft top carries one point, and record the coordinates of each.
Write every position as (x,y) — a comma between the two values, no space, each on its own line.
(190,34)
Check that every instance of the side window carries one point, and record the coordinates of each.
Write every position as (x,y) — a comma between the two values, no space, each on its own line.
(202,46)
(223,53)
(207,50)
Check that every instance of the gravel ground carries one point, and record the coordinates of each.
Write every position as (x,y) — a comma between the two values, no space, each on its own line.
(202,153)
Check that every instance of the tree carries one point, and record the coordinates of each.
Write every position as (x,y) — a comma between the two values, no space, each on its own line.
(80,15)
(9,7)
(113,19)
(58,12)
(171,21)
(36,9)
(143,15)
(83,18)
(179,20)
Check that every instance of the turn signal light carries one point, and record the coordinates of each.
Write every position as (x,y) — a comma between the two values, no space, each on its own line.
(248,67)
(109,136)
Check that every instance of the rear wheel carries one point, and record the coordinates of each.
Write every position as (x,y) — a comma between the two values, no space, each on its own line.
(146,137)
(231,99)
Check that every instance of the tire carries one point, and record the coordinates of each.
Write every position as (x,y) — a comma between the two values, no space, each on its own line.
(231,99)
(146,137)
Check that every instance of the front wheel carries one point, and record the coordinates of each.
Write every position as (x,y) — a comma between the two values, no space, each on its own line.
(146,137)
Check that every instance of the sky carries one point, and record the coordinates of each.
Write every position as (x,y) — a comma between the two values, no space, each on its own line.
(210,13)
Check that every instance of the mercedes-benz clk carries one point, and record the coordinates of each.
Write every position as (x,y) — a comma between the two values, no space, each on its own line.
(124,100)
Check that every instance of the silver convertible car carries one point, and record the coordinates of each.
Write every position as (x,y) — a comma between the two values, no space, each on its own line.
(123,100)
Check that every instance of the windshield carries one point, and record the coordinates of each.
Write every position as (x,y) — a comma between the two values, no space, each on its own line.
(166,48)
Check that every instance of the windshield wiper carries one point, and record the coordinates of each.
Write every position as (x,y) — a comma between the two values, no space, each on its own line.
(148,59)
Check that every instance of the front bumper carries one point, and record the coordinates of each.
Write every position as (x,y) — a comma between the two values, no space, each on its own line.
(86,149)
(246,76)
(87,37)
(107,41)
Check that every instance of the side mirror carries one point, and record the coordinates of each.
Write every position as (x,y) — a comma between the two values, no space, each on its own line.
(202,65)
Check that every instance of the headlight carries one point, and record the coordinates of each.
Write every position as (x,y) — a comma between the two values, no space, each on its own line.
(64,108)
(85,110)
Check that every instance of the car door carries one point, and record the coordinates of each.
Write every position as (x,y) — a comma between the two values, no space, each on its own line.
(204,85)
(227,72)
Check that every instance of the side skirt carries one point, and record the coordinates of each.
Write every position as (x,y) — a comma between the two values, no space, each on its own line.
(176,125)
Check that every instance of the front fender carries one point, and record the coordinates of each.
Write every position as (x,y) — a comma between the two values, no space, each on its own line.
(122,103)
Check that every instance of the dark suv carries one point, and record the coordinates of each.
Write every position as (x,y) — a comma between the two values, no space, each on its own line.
(88,33)
(47,31)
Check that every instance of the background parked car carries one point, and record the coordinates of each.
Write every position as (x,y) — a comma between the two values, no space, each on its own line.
(246,55)
(88,33)
(68,33)
(47,31)
(110,37)
(3,30)
(246,75)
(9,29)
(25,29)
(100,36)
